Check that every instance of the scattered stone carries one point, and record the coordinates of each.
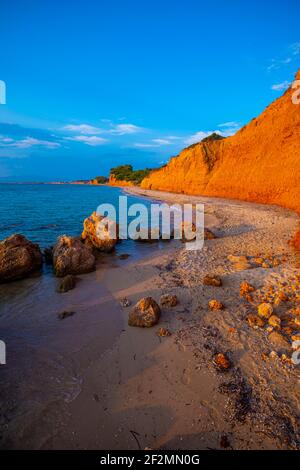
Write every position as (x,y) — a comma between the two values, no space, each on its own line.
(169,300)
(163,332)
(275,321)
(273,355)
(67,283)
(222,362)
(71,256)
(215,305)
(212,280)
(266,265)
(278,340)
(297,321)
(280,297)
(265,310)
(296,337)
(65,314)
(237,259)
(255,321)
(19,257)
(124,256)
(224,442)
(246,288)
(146,313)
(124,302)
(102,235)
(209,235)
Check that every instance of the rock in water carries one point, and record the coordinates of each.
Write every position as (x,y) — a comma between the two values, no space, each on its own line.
(71,256)
(100,235)
(145,313)
(67,283)
(18,258)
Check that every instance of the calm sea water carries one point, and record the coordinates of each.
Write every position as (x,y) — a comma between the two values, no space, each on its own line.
(43,212)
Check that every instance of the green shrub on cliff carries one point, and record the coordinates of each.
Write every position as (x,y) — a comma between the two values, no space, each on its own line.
(126,173)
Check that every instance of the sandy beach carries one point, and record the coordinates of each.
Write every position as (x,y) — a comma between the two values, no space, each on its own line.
(128,388)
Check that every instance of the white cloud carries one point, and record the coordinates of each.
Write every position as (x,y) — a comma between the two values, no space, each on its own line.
(280,86)
(154,143)
(122,129)
(230,124)
(83,129)
(161,141)
(91,140)
(295,48)
(27,143)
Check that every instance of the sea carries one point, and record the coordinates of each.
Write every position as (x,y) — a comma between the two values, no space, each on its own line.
(43,212)
(46,358)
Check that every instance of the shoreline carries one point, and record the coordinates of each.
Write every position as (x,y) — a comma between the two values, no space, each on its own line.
(166,390)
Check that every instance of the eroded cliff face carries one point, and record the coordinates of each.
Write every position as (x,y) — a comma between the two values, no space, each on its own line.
(120,183)
(260,163)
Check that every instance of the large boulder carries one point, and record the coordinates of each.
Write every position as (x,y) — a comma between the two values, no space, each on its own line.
(18,258)
(98,234)
(71,256)
(145,313)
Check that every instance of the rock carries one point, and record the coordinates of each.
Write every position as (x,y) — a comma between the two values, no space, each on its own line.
(258,260)
(280,297)
(295,337)
(101,236)
(255,322)
(265,310)
(278,340)
(145,313)
(274,321)
(124,256)
(19,257)
(48,255)
(212,280)
(246,288)
(169,300)
(208,234)
(237,259)
(124,302)
(266,265)
(65,314)
(67,283)
(215,305)
(222,362)
(224,442)
(71,256)
(163,332)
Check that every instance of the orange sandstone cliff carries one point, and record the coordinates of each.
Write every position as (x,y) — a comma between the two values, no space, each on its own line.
(261,162)
(120,183)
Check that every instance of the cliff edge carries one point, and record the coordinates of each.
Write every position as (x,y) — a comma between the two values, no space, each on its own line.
(261,162)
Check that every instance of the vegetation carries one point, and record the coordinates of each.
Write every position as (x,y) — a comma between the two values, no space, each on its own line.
(101,179)
(126,173)
(213,136)
(209,138)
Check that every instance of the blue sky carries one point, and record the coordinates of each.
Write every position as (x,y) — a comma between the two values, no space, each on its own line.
(94,84)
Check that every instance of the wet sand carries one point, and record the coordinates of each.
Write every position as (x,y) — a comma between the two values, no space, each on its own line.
(100,384)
